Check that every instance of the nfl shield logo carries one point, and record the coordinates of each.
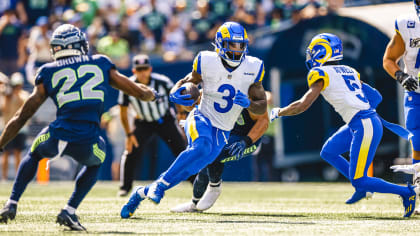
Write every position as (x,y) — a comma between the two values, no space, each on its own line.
(229,76)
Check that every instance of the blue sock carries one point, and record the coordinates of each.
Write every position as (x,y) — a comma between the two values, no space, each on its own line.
(189,162)
(415,161)
(25,174)
(84,182)
(338,161)
(372,184)
(215,171)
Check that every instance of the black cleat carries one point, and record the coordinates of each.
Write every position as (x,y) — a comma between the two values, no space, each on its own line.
(71,221)
(8,212)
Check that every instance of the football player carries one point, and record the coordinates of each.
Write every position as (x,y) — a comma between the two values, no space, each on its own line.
(231,81)
(77,83)
(340,85)
(244,140)
(405,44)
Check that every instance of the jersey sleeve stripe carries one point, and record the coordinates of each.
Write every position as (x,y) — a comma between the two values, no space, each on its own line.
(197,64)
(260,75)
(317,74)
(396,27)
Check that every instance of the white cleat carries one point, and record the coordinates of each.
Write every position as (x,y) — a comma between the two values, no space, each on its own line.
(209,197)
(185,207)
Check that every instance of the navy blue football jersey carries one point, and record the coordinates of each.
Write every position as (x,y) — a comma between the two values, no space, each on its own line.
(243,125)
(78,86)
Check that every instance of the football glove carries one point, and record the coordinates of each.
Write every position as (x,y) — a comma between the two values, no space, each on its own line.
(178,98)
(237,148)
(408,169)
(158,96)
(242,100)
(274,114)
(409,82)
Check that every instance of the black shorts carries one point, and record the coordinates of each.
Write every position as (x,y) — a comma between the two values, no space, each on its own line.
(18,143)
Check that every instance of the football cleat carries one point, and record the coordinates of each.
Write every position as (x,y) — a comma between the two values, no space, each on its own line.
(209,197)
(122,193)
(359,195)
(70,220)
(409,200)
(185,207)
(133,203)
(156,191)
(8,212)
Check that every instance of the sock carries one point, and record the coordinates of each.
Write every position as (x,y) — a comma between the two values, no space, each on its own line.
(215,171)
(26,172)
(214,185)
(373,184)
(338,161)
(84,182)
(200,184)
(70,210)
(10,201)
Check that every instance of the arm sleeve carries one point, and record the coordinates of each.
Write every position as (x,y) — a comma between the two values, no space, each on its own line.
(39,76)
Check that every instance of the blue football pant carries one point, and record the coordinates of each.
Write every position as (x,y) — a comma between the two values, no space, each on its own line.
(46,146)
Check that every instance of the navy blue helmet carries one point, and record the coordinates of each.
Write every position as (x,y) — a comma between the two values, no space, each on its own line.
(68,40)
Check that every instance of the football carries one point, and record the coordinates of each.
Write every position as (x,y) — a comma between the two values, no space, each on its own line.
(191,89)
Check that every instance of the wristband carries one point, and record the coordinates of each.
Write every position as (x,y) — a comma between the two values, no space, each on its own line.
(248,140)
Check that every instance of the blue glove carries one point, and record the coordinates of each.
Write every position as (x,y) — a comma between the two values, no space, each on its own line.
(237,148)
(180,99)
(242,100)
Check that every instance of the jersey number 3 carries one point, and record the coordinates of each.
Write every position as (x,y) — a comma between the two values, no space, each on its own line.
(86,90)
(228,98)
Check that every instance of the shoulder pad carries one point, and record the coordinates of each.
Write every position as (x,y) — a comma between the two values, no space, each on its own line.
(316,74)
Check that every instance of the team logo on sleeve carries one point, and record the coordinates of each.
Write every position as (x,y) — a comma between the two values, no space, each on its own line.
(415,43)
(411,24)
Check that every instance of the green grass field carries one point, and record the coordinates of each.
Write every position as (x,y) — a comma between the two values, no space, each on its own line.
(242,209)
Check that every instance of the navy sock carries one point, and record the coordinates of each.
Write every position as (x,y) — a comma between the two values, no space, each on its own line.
(338,161)
(215,171)
(85,180)
(25,174)
(372,184)
(200,184)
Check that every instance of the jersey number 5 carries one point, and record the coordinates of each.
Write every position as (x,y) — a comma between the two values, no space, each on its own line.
(86,90)
(228,98)
(353,86)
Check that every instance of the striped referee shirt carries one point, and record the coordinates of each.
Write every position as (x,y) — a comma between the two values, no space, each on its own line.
(153,110)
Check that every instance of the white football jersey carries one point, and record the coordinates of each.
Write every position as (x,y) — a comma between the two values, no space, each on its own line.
(220,86)
(342,89)
(408,26)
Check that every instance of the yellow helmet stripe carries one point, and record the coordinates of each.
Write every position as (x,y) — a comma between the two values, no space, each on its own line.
(225,32)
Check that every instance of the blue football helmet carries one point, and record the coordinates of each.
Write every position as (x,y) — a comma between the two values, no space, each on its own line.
(417,7)
(323,47)
(231,43)
(68,40)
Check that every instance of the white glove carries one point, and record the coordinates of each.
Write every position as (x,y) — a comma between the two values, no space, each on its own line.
(274,114)
(408,169)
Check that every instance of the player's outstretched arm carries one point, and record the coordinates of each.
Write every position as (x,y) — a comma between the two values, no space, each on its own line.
(258,99)
(121,82)
(260,126)
(303,103)
(27,110)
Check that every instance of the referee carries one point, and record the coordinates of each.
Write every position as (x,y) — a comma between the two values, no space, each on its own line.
(155,117)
